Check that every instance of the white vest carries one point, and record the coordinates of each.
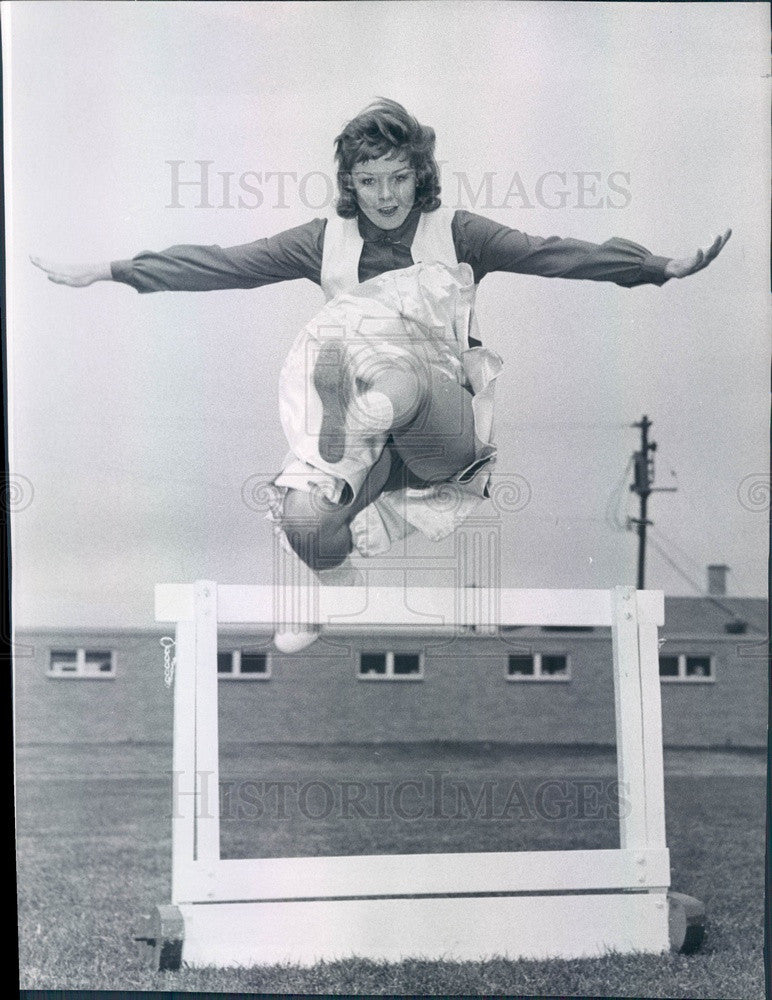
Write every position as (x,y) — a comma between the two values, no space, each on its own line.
(433,241)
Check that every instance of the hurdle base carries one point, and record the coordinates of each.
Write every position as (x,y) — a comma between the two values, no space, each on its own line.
(459,928)
(456,928)
(686,922)
(159,937)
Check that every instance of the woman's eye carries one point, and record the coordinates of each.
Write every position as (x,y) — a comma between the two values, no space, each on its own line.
(365,181)
(403,177)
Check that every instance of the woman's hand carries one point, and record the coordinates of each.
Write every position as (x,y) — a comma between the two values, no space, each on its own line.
(76,275)
(682,267)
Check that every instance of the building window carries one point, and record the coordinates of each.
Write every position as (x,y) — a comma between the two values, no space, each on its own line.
(668,666)
(538,667)
(690,667)
(390,666)
(243,664)
(93,664)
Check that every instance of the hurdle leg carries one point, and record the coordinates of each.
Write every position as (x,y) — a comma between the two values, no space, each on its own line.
(686,915)
(686,922)
(159,936)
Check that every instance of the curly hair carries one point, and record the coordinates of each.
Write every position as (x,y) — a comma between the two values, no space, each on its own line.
(385,127)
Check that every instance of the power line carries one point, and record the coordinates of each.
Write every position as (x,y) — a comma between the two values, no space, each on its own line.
(615,502)
(673,544)
(707,524)
(562,424)
(677,568)
(742,591)
(700,590)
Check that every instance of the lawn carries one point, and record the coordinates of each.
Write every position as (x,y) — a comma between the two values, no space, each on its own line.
(94,852)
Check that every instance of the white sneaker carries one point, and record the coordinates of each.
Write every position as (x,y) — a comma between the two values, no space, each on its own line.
(294,641)
(302,636)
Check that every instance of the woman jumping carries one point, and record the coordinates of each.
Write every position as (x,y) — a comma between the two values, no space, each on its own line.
(386,396)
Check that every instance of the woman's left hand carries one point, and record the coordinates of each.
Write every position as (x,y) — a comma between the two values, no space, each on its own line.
(682,267)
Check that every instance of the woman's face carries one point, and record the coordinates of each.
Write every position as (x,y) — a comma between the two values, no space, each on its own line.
(385,189)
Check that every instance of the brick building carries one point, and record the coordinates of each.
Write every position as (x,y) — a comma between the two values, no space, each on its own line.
(525,685)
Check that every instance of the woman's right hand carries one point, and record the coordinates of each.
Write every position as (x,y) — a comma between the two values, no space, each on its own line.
(75,275)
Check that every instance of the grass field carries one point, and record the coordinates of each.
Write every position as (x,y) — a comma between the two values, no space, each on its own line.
(94,852)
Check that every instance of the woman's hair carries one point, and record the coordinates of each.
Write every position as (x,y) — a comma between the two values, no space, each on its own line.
(384,127)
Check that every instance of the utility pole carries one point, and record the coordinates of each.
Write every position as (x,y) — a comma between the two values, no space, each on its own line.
(642,484)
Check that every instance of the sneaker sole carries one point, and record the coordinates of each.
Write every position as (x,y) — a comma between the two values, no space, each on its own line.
(329,384)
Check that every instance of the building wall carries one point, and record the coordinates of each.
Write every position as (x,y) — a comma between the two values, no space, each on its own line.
(132,706)
(732,711)
(465,695)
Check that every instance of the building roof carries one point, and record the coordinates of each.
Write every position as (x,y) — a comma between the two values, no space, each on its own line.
(710,615)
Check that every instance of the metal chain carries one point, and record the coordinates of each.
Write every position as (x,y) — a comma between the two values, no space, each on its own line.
(170,660)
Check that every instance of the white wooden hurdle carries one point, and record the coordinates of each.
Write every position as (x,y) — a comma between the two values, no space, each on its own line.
(542,904)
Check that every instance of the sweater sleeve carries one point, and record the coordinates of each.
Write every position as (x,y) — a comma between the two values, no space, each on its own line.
(489,246)
(294,253)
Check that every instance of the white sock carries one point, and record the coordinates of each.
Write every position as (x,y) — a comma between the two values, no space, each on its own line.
(292,636)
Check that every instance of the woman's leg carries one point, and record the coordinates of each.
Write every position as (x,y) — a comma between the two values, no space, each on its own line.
(318,530)
(433,422)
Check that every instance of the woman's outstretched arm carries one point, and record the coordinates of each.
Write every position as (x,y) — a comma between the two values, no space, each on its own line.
(489,246)
(295,253)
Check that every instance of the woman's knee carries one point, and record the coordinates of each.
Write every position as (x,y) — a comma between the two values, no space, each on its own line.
(317,531)
(407,391)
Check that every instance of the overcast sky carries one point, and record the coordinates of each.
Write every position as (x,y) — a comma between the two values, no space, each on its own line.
(137,420)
